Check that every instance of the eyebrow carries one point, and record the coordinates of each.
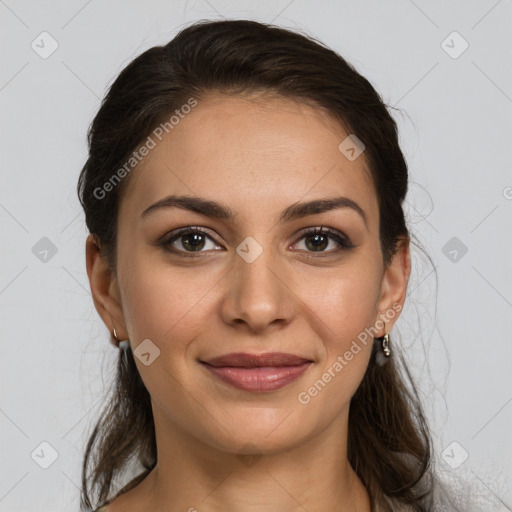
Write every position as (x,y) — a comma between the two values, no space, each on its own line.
(216,210)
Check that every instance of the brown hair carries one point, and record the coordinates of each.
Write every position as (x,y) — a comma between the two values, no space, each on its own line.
(389,444)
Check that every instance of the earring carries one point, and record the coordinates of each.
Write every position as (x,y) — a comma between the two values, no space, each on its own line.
(385,345)
(121,344)
(382,355)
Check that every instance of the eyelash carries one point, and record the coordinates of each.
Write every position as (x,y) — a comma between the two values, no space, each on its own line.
(344,243)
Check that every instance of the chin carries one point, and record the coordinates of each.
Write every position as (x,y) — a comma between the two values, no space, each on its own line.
(261,430)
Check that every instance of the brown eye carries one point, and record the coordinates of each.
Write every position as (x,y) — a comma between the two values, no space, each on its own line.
(193,241)
(317,242)
(319,239)
(189,240)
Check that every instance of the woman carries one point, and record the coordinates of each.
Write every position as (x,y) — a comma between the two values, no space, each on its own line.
(249,254)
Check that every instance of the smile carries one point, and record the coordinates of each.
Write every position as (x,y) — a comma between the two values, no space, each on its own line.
(258,379)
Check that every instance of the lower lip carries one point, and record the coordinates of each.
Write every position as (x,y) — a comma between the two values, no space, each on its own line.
(258,379)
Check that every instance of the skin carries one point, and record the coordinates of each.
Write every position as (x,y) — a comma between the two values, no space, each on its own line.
(258,156)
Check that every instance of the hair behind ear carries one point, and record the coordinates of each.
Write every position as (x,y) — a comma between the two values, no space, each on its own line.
(124,432)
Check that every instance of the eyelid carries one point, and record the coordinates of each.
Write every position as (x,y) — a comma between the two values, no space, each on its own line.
(343,241)
(170,236)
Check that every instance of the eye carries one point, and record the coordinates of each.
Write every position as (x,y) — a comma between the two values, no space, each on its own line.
(188,240)
(319,238)
(193,239)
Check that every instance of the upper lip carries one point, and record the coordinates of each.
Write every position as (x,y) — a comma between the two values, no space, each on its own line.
(257,360)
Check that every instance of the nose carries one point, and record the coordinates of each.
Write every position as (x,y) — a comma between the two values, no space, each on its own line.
(259,294)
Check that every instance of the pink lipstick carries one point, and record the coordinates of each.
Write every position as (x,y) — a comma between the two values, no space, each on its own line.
(258,372)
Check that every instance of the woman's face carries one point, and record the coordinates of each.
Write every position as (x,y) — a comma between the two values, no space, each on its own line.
(253,281)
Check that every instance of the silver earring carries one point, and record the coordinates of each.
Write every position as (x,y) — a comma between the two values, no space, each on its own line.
(385,345)
(383,352)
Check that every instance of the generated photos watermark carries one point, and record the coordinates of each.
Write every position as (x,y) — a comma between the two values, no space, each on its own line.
(304,397)
(143,150)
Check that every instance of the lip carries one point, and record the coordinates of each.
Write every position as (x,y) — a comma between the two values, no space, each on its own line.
(258,372)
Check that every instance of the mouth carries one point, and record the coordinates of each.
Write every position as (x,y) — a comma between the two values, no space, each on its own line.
(257,372)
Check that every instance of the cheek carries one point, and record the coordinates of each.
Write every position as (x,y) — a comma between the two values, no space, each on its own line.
(345,303)
(156,299)
(344,309)
(167,307)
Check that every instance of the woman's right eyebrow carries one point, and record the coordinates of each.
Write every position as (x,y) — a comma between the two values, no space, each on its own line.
(213,209)
(199,205)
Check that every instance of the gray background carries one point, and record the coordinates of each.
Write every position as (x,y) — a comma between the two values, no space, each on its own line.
(455,129)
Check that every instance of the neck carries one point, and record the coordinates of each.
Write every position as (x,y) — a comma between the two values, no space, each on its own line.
(192,476)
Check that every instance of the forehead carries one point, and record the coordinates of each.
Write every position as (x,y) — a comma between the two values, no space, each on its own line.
(243,151)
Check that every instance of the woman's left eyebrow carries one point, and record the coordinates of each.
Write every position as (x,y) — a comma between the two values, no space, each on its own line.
(216,210)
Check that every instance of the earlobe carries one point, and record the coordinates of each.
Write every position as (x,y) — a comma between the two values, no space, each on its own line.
(394,285)
(104,290)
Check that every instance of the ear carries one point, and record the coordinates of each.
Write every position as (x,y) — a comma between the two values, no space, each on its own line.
(104,289)
(394,286)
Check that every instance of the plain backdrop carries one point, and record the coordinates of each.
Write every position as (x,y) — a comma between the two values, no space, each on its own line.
(445,66)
